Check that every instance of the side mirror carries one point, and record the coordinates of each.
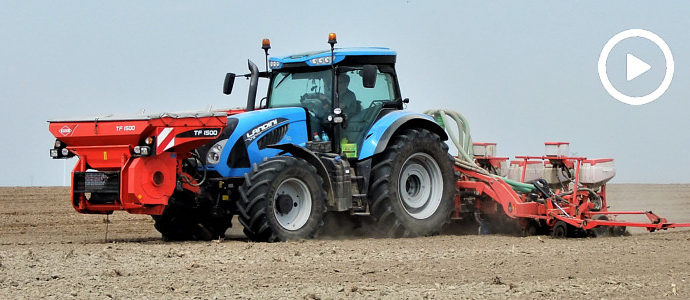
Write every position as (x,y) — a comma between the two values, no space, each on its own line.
(229,82)
(369,76)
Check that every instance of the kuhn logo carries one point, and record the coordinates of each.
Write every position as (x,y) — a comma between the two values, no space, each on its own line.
(65,131)
(257,131)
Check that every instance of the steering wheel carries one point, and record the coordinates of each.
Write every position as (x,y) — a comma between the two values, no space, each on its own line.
(374,103)
(316,103)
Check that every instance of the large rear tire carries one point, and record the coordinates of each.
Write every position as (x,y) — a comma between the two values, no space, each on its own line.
(182,220)
(282,199)
(413,184)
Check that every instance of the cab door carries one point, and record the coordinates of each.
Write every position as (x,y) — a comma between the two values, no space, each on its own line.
(371,100)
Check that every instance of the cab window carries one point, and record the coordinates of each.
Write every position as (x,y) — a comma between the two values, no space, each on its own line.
(383,90)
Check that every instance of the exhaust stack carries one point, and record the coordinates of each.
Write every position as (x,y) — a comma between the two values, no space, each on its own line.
(253,85)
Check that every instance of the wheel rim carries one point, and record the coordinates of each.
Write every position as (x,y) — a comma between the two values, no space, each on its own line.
(420,186)
(293,192)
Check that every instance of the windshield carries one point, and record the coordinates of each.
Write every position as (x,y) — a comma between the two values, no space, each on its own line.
(288,89)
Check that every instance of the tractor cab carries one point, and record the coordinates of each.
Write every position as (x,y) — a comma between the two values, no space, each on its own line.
(343,91)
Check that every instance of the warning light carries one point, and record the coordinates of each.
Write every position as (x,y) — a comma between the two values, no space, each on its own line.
(331,38)
(266,44)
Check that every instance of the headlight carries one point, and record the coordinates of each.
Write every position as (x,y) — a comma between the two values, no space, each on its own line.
(213,156)
(142,150)
(320,60)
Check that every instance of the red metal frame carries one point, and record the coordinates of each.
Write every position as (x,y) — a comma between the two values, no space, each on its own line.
(576,210)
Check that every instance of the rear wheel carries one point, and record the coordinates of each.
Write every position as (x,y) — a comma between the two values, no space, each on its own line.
(600,231)
(413,184)
(282,199)
(530,229)
(183,220)
(619,231)
(560,230)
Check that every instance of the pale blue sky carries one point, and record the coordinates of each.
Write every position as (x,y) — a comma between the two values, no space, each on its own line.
(522,72)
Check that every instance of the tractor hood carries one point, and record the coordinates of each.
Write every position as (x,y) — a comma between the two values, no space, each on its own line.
(246,139)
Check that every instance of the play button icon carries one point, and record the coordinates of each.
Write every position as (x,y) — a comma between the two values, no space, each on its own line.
(635,67)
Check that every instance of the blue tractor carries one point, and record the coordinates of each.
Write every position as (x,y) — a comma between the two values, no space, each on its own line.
(330,137)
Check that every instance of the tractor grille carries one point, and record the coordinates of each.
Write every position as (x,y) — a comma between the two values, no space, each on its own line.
(272,137)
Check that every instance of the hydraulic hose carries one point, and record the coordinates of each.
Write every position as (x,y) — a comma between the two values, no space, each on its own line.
(463,142)
(196,156)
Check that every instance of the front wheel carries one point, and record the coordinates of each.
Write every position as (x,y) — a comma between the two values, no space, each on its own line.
(413,184)
(183,219)
(282,199)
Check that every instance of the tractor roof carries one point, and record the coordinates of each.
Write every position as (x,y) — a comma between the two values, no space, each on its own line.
(362,55)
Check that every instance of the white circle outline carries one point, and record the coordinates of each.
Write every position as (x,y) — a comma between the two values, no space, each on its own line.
(603,57)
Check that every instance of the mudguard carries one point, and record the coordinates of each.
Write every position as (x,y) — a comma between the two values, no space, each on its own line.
(378,136)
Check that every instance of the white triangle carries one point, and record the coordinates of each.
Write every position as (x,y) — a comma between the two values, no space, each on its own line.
(635,67)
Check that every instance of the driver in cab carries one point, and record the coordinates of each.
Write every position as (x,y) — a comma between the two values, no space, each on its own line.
(348,101)
(321,103)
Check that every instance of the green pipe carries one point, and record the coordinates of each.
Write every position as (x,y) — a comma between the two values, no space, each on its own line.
(463,141)
(519,186)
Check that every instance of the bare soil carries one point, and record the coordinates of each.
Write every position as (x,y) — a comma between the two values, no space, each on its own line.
(48,250)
